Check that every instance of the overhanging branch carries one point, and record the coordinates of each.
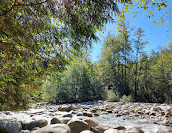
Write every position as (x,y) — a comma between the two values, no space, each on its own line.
(21,5)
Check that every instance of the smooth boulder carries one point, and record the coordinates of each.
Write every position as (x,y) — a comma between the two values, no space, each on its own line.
(38,123)
(112,131)
(10,127)
(54,128)
(55,121)
(77,126)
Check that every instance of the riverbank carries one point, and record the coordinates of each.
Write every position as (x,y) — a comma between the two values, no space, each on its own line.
(96,116)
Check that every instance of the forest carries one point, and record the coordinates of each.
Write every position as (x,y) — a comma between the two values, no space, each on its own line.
(45,54)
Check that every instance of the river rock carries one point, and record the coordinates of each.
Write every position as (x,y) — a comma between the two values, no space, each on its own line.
(79,114)
(36,123)
(91,122)
(166,122)
(155,108)
(24,131)
(111,131)
(101,128)
(93,110)
(134,130)
(86,131)
(55,128)
(77,126)
(68,115)
(88,114)
(65,120)
(10,127)
(66,108)
(120,128)
(55,121)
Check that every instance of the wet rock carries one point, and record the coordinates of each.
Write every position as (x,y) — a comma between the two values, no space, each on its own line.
(36,123)
(55,128)
(77,126)
(55,121)
(134,130)
(10,127)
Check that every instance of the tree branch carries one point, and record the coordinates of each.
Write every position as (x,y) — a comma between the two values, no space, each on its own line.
(21,5)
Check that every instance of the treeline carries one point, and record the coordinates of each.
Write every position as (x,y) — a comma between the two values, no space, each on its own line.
(123,73)
(76,84)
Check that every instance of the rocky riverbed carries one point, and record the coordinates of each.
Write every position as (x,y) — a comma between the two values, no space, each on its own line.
(89,117)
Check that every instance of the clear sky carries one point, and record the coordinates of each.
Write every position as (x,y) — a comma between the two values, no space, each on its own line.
(157,36)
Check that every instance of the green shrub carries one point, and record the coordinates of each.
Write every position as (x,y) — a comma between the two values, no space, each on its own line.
(126,99)
(112,96)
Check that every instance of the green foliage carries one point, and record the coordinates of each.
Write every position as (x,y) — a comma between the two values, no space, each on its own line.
(126,99)
(73,85)
(126,70)
(112,96)
(37,37)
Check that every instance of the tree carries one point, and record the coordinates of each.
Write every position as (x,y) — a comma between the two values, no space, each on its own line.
(42,34)
(138,45)
(74,84)
(111,68)
(125,49)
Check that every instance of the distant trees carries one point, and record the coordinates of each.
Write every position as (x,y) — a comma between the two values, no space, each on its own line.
(124,69)
(123,73)
(75,84)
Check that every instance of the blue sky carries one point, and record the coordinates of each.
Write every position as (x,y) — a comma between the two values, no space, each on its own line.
(157,36)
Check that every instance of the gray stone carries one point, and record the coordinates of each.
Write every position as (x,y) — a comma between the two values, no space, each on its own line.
(37,123)
(24,131)
(55,128)
(10,127)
